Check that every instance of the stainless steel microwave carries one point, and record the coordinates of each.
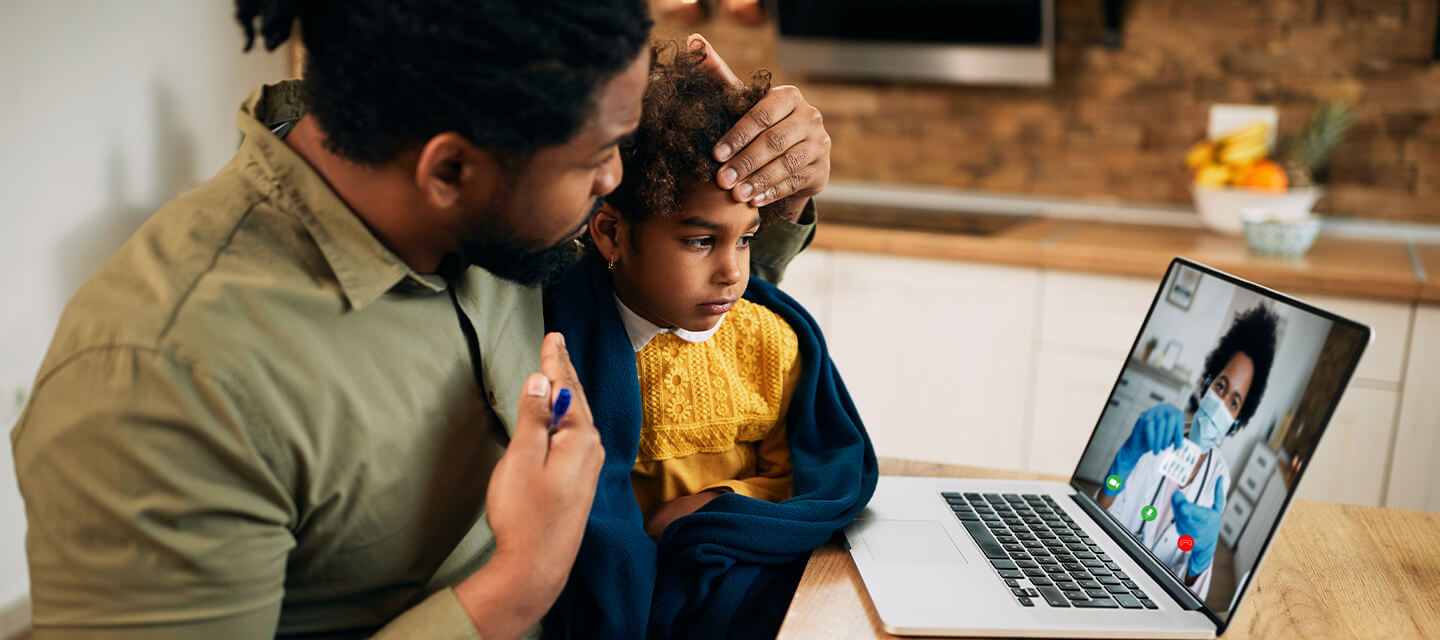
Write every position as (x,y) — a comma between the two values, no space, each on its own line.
(992,42)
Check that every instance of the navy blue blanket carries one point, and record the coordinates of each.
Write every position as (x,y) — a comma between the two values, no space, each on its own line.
(729,569)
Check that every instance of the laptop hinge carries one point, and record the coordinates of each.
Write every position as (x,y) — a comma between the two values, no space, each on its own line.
(1162,575)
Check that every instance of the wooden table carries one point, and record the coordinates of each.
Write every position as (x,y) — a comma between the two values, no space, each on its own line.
(1333,571)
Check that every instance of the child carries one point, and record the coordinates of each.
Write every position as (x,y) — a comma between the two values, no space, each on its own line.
(732,447)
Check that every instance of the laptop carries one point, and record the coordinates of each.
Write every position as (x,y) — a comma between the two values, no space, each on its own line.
(1210,425)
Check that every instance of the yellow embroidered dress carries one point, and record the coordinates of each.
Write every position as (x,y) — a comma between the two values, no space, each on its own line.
(713,406)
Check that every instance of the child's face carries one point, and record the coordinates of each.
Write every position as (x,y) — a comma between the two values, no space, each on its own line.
(686,270)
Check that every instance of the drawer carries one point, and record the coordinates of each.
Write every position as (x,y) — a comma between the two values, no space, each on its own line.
(1257,469)
(1130,384)
(1152,394)
(1232,522)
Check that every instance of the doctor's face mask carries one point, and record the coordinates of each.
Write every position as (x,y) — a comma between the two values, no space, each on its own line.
(1225,397)
(1211,421)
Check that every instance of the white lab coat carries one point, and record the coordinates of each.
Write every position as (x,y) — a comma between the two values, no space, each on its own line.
(1160,535)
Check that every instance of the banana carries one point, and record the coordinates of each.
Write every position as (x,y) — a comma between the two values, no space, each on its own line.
(1219,162)
(1212,175)
(1244,152)
(1201,153)
(1253,132)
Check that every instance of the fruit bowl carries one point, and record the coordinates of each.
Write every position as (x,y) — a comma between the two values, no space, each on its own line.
(1283,238)
(1221,207)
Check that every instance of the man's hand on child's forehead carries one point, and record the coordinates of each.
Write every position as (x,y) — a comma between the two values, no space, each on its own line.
(778,150)
(713,64)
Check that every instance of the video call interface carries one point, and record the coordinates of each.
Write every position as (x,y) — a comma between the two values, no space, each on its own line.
(1219,406)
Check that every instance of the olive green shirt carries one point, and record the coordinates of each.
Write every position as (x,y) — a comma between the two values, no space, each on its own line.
(255,420)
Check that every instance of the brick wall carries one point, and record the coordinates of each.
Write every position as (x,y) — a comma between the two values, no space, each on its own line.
(1116,122)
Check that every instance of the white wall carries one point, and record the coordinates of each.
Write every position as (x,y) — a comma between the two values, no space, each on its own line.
(1196,328)
(107,110)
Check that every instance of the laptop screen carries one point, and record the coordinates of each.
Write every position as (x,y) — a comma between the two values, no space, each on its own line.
(1218,409)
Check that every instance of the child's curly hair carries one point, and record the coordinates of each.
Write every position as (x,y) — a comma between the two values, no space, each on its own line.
(684,115)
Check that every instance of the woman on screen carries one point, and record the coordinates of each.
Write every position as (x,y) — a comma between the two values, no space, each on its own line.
(1161,511)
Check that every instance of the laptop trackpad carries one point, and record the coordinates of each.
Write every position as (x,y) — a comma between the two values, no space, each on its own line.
(911,541)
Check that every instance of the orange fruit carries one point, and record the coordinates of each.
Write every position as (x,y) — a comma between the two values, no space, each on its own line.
(1267,175)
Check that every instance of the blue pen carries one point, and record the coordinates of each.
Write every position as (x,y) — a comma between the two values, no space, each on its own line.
(562,404)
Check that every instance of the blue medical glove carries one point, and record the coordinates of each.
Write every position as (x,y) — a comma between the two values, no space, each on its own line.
(1159,428)
(1200,523)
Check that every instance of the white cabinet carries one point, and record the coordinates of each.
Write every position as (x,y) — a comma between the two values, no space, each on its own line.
(1088,323)
(1095,314)
(1070,390)
(937,355)
(1349,465)
(810,279)
(1414,481)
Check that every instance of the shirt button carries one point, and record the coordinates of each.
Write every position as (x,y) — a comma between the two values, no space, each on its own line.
(491,396)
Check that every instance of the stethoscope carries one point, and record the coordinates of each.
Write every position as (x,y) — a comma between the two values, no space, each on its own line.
(1193,403)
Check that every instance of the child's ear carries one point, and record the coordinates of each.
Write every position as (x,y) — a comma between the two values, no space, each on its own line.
(607,229)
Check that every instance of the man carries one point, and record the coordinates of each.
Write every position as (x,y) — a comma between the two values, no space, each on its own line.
(290,406)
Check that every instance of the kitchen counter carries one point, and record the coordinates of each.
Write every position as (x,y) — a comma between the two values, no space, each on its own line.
(1429,256)
(1342,266)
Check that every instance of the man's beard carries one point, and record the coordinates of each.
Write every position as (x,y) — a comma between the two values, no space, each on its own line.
(501,252)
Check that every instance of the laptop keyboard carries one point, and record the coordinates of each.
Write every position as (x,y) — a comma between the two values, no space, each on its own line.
(1040,553)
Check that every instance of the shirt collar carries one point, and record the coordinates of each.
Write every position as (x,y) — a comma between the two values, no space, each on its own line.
(364,268)
(642,331)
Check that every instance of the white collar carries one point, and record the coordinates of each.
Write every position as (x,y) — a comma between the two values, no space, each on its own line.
(642,331)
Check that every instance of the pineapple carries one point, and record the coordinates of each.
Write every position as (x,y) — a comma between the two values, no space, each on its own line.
(1308,150)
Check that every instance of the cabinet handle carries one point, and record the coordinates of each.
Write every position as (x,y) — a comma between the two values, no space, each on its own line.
(1114,403)
(1124,382)
(1156,397)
